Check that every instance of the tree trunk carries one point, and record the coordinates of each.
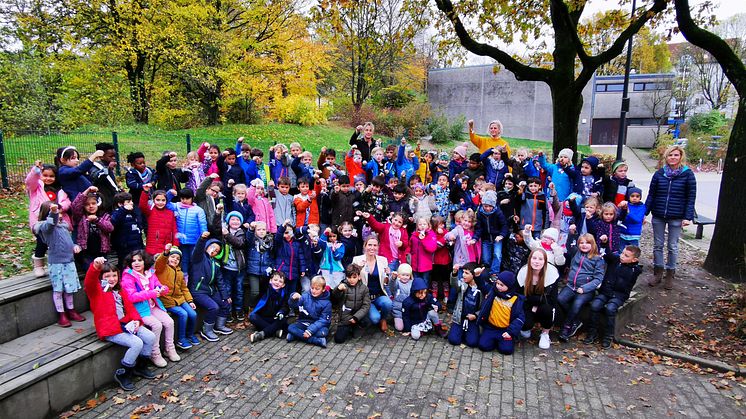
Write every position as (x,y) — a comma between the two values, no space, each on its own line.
(725,257)
(138,92)
(566,108)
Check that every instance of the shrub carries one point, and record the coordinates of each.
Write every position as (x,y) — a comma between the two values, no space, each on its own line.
(392,97)
(171,119)
(244,111)
(296,109)
(708,123)
(443,131)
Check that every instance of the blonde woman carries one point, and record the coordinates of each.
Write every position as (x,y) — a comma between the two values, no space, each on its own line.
(495,129)
(375,275)
(673,191)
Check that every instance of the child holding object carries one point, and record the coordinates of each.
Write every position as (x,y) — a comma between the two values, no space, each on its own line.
(314,314)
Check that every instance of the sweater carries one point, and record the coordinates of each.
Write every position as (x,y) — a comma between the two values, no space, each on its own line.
(104,308)
(73,179)
(173,278)
(56,233)
(672,197)
(486,143)
(284,208)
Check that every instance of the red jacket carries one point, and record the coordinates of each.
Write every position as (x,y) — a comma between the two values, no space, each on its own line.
(104,307)
(442,255)
(303,204)
(422,250)
(384,249)
(161,226)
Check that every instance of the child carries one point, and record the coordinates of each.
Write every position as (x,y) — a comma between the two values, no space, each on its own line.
(72,176)
(230,172)
(474,169)
(260,261)
(458,162)
(302,167)
(269,314)
(260,205)
(389,164)
(501,315)
(616,187)
(284,209)
(328,164)
(400,202)
(344,202)
(495,166)
(534,208)
(401,288)
(290,257)
(407,162)
(491,229)
(466,243)
(607,231)
(240,203)
(314,314)
(191,222)
(354,164)
(278,163)
(517,254)
(51,229)
(138,174)
(632,217)
(209,153)
(177,299)
(331,262)
(589,182)
(558,172)
(441,273)
(168,175)
(42,186)
(103,177)
(507,197)
(462,197)
(585,276)
(464,327)
(306,206)
(621,275)
(295,150)
(420,312)
(117,321)
(393,237)
(441,192)
(539,282)
(522,165)
(161,221)
(144,288)
(374,201)
(376,166)
(353,244)
(355,300)
(234,262)
(549,243)
(585,220)
(127,222)
(422,245)
(422,205)
(210,291)
(324,202)
(208,197)
(197,170)
(92,226)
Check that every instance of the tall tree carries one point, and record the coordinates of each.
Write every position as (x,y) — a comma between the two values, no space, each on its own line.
(501,20)
(710,80)
(728,246)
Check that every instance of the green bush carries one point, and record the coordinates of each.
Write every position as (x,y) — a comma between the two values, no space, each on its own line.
(443,131)
(243,111)
(171,119)
(296,109)
(708,123)
(410,120)
(395,97)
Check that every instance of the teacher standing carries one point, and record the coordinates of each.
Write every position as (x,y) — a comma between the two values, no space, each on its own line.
(494,140)
(363,139)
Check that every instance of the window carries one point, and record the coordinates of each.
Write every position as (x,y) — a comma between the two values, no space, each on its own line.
(639,87)
(600,87)
(616,87)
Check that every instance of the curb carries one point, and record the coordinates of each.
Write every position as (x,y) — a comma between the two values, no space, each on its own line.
(715,365)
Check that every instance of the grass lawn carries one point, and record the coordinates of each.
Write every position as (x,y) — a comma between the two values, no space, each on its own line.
(17,241)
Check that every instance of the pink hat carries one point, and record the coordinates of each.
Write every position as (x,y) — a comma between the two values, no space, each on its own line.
(460,150)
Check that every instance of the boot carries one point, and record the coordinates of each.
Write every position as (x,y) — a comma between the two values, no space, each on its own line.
(172,355)
(74,316)
(39,266)
(141,369)
(668,280)
(208,332)
(441,330)
(607,341)
(64,321)
(657,276)
(158,360)
(384,325)
(123,377)
(221,328)
(590,337)
(256,337)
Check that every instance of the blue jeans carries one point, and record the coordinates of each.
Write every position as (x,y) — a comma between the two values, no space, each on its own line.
(213,305)
(492,255)
(572,302)
(268,325)
(186,320)
(393,266)
(659,237)
(140,344)
(235,278)
(611,306)
(186,257)
(380,308)
(297,329)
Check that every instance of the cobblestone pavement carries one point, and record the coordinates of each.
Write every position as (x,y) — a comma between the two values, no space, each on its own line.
(396,377)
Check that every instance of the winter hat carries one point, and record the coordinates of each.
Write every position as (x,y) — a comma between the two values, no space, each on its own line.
(489,198)
(593,161)
(234,214)
(404,268)
(616,165)
(460,150)
(174,251)
(565,152)
(443,156)
(632,190)
(552,233)
(419,186)
(507,278)
(417,285)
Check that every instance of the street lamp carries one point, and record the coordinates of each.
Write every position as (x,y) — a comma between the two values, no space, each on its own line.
(625,95)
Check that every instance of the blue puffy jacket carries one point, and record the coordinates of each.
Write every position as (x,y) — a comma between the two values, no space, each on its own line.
(403,164)
(204,273)
(258,259)
(191,222)
(562,182)
(316,312)
(672,198)
(290,257)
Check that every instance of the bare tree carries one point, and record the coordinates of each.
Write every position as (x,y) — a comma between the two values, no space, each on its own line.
(658,102)
(709,78)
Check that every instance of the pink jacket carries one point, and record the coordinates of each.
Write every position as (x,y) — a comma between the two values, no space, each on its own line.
(262,209)
(422,251)
(384,248)
(138,294)
(37,196)
(213,167)
(83,225)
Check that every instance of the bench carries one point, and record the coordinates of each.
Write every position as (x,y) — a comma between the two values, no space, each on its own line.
(701,221)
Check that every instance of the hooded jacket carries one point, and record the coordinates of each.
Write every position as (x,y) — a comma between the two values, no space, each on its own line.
(178,292)
(620,278)
(511,298)
(272,303)
(672,197)
(355,302)
(161,226)
(550,288)
(490,225)
(73,180)
(37,196)
(577,177)
(414,310)
(140,296)
(191,222)
(421,251)
(585,272)
(332,254)
(204,274)
(405,164)
(315,312)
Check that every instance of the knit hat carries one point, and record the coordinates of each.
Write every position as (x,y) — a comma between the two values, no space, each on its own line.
(418,186)
(174,251)
(417,285)
(565,152)
(443,156)
(234,214)
(404,268)
(632,190)
(507,278)
(460,150)
(616,165)
(552,233)
(592,161)
(489,198)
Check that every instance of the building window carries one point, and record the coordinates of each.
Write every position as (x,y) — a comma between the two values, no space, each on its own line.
(600,87)
(639,87)
(616,87)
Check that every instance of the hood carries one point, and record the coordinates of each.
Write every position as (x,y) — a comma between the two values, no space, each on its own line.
(222,249)
(324,295)
(417,285)
(549,279)
(593,161)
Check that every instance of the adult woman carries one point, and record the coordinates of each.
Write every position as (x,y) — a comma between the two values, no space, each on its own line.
(494,140)
(673,191)
(539,281)
(375,273)
(364,143)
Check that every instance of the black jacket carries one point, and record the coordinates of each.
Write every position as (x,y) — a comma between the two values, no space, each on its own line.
(619,278)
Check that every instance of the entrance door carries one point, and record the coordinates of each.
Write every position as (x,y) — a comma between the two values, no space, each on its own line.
(605,131)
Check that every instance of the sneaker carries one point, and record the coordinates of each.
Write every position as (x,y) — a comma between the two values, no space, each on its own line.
(575,327)
(280,333)
(565,333)
(590,337)
(441,330)
(291,313)
(194,340)
(525,334)
(256,337)
(544,341)
(183,344)
(606,343)
(240,316)
(318,341)
(290,337)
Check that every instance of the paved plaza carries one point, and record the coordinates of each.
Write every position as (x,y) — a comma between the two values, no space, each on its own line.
(396,377)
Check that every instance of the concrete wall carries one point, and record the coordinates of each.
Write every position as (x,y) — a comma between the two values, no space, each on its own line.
(524,107)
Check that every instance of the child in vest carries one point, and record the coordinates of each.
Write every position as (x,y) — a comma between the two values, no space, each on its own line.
(270,312)
(260,261)
(209,290)
(534,207)
(464,328)
(93,227)
(62,273)
(501,315)
(261,206)
(127,222)
(401,288)
(616,187)
(491,229)
(355,299)
(177,300)
(586,273)
(191,222)
(621,275)
(314,314)
(632,217)
(420,312)
(331,262)
(144,288)
(234,262)
(283,202)
(607,231)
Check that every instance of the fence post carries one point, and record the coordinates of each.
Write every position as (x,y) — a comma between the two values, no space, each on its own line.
(115,141)
(189,143)
(3,165)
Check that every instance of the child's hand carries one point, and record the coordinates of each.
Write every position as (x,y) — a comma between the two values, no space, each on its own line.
(398,243)
(231,182)
(205,234)
(214,175)
(96,155)
(172,154)
(295,296)
(206,145)
(246,225)
(342,287)
(471,317)
(193,306)
(98,262)
(579,290)
(91,189)
(157,291)
(225,231)
(358,128)
(38,164)
(92,218)
(506,336)
(516,218)
(327,231)
(229,300)
(219,207)
(77,249)
(528,227)
(146,187)
(534,309)
(551,186)
(623,205)
(456,267)
(478,271)
(167,248)
(353,321)
(471,124)
(129,206)
(604,238)
(306,334)
(572,228)
(240,139)
(405,334)
(54,208)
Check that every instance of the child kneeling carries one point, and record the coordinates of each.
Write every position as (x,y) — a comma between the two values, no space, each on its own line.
(270,311)
(314,314)
(501,316)
(420,312)
(117,321)
(355,300)
(464,328)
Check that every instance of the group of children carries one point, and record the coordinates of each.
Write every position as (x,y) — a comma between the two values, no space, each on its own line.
(409,235)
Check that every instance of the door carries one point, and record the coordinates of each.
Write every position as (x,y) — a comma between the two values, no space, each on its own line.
(605,132)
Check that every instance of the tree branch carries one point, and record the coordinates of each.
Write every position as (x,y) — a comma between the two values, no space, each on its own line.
(561,7)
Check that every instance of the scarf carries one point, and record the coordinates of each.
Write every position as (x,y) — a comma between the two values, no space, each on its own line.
(669,173)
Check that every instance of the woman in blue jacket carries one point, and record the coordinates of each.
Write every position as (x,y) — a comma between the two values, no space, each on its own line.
(673,191)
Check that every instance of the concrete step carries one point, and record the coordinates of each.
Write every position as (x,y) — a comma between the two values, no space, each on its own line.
(26,305)
(45,371)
